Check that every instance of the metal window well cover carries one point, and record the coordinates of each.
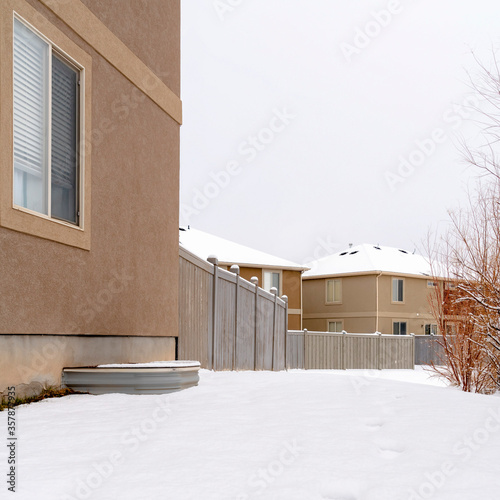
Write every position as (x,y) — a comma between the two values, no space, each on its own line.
(159,377)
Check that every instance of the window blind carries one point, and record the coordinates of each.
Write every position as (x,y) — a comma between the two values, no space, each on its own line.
(30,118)
(64,140)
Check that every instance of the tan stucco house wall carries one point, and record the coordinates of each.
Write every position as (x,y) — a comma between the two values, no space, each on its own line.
(291,287)
(369,288)
(358,309)
(107,290)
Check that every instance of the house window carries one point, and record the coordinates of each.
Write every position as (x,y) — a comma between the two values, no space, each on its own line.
(451,329)
(397,289)
(46,128)
(272,279)
(431,329)
(336,326)
(431,284)
(333,291)
(399,328)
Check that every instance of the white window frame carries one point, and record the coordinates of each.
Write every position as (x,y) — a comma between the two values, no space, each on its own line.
(394,278)
(339,299)
(432,284)
(341,321)
(432,328)
(71,62)
(273,271)
(394,323)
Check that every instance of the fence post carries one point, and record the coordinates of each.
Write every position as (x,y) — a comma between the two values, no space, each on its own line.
(413,350)
(255,281)
(343,344)
(215,261)
(236,270)
(379,351)
(274,291)
(305,349)
(285,298)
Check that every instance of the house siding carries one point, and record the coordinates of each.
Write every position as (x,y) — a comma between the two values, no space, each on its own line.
(358,308)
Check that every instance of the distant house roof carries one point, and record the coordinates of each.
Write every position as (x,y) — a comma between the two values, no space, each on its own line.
(205,244)
(370,258)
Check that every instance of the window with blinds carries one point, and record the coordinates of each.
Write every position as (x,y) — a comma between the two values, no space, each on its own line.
(46,127)
(397,290)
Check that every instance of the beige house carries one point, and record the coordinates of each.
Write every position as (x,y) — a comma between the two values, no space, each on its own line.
(89,185)
(271,271)
(369,288)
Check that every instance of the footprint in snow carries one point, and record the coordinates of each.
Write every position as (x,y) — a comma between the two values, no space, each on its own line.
(389,449)
(373,424)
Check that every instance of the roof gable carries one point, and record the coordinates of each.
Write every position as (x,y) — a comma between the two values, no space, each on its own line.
(205,244)
(369,258)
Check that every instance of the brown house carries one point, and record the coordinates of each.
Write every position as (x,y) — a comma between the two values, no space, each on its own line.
(89,181)
(369,288)
(271,271)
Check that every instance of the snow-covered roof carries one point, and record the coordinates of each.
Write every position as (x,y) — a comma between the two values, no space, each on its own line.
(205,244)
(369,258)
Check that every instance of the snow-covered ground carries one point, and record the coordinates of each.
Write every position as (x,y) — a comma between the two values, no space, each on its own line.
(351,435)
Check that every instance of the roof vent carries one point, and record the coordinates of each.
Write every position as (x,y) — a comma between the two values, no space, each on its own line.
(377,248)
(403,251)
(344,253)
(355,251)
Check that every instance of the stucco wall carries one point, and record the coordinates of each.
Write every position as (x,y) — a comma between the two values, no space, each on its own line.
(36,361)
(150,28)
(294,322)
(291,288)
(358,294)
(248,273)
(127,283)
(358,307)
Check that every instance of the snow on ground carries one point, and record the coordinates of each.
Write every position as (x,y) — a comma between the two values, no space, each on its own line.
(298,435)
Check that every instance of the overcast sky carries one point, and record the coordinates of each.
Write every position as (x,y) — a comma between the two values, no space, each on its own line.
(312,124)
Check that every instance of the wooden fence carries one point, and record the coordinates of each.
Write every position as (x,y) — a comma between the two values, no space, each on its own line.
(322,350)
(226,322)
(429,350)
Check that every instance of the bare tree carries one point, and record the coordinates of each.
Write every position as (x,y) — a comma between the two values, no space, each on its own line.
(469,261)
(464,361)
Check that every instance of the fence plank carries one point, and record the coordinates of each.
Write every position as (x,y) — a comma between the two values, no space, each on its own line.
(428,350)
(226,322)
(325,350)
